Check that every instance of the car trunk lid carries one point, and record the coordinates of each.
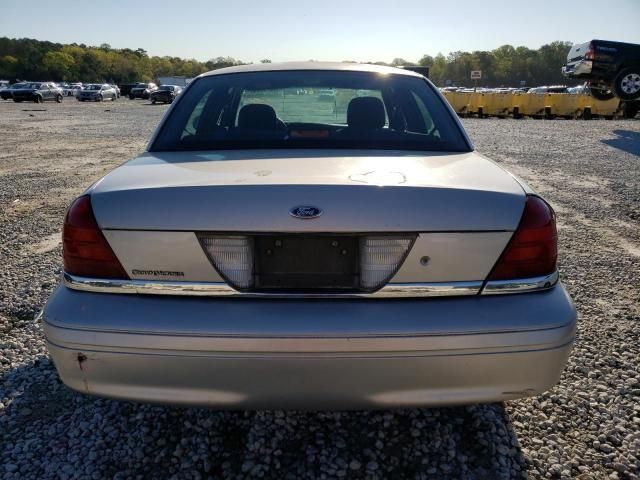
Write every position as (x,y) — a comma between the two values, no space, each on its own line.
(308,220)
(256,191)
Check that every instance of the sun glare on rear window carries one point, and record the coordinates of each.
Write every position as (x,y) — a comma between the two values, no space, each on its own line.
(310,109)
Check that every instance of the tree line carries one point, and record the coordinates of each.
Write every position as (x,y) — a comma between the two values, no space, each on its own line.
(505,66)
(28,59)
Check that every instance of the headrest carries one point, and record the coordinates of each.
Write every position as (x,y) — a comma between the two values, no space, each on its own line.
(257,116)
(365,112)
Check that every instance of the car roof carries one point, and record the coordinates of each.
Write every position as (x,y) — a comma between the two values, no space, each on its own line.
(327,66)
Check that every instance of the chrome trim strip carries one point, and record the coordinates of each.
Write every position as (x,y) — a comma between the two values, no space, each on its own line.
(393,290)
(497,287)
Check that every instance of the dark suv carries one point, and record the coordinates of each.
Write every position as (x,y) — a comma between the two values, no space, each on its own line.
(611,68)
(142,90)
(166,94)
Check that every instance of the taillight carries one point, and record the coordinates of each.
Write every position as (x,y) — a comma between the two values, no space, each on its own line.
(533,249)
(85,251)
(591,53)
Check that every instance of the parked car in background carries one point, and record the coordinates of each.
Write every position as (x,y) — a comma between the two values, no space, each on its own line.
(37,92)
(549,89)
(72,89)
(116,88)
(165,94)
(612,68)
(580,90)
(97,92)
(125,88)
(5,93)
(327,94)
(270,252)
(142,90)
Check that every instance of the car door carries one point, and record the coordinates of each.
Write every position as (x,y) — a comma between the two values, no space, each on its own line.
(43,90)
(48,92)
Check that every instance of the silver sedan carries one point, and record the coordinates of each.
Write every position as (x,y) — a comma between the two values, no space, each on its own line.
(277,250)
(97,93)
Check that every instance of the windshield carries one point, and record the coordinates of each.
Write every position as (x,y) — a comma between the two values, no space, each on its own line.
(166,88)
(310,109)
(20,85)
(92,87)
(141,85)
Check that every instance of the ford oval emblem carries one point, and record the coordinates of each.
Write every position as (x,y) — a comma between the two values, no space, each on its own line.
(305,212)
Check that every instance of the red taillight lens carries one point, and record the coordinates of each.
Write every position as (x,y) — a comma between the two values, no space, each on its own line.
(533,249)
(590,54)
(84,249)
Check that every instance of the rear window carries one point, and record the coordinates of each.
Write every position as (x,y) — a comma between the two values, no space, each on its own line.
(310,109)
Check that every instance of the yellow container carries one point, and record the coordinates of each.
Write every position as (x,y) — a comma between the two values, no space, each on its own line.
(515,109)
(565,105)
(475,102)
(529,104)
(496,104)
(459,101)
(602,108)
(449,96)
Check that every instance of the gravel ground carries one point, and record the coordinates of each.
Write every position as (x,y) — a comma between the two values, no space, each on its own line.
(587,427)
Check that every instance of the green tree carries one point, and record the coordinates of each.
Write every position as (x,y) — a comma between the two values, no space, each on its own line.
(399,62)
(40,60)
(8,67)
(58,64)
(426,61)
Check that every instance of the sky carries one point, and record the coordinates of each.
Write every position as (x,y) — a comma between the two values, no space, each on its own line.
(284,30)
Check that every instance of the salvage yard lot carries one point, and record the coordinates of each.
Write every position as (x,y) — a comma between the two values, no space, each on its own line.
(586,427)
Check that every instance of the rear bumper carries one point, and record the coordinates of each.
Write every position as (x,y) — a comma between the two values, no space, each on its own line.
(161,98)
(310,354)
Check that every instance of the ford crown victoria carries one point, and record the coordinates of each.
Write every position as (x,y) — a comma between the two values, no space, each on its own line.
(274,250)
